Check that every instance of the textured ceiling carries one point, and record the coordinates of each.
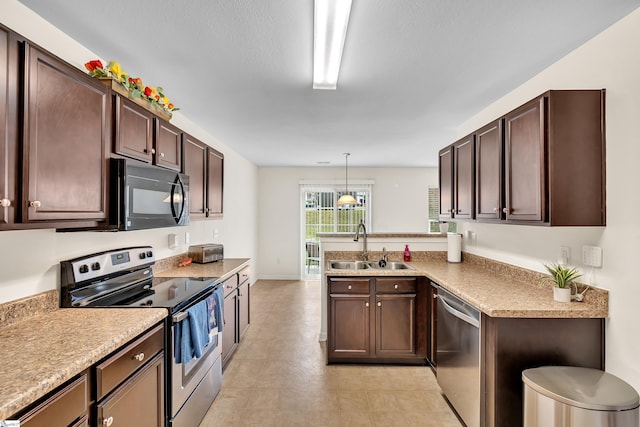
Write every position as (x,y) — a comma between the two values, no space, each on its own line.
(412,70)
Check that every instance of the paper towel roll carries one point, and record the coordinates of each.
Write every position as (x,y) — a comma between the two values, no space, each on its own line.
(454,247)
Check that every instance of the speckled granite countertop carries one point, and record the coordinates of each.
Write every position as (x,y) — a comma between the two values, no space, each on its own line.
(496,289)
(41,353)
(219,269)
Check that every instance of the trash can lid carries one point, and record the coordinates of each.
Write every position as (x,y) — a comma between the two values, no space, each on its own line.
(582,387)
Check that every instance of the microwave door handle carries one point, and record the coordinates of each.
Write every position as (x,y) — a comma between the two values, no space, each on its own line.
(178,186)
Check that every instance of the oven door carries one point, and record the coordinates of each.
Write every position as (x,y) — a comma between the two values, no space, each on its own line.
(195,384)
(148,196)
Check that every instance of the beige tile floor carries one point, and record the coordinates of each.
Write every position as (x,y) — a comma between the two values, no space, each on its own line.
(279,376)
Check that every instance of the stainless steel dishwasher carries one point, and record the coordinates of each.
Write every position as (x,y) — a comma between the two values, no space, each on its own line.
(458,355)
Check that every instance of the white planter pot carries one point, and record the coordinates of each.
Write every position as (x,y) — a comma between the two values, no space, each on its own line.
(562,294)
(444,227)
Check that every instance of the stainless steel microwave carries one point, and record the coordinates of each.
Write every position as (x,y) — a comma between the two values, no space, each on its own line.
(143,196)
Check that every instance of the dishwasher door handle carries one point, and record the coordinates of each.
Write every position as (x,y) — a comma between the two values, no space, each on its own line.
(460,315)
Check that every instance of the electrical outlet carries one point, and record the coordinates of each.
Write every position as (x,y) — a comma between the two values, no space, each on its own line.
(173,240)
(565,255)
(592,256)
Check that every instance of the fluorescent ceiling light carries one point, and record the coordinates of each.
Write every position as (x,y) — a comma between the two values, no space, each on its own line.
(331,18)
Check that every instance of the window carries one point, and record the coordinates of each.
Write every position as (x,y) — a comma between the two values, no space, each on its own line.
(433,200)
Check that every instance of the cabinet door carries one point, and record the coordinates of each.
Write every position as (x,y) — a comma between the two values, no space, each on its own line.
(229,333)
(194,162)
(524,162)
(133,130)
(464,176)
(395,325)
(243,308)
(66,135)
(350,329)
(9,84)
(138,402)
(215,174)
(445,177)
(489,171)
(168,145)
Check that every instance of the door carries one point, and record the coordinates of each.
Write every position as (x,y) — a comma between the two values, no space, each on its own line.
(464,176)
(66,138)
(525,162)
(215,180)
(133,130)
(194,163)
(168,145)
(445,177)
(395,325)
(489,171)
(243,308)
(9,167)
(350,327)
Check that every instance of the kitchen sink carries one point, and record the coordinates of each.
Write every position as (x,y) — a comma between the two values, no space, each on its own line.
(364,265)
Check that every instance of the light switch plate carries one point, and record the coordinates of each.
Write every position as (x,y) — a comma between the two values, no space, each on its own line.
(592,256)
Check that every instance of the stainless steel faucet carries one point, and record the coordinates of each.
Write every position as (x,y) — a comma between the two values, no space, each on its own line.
(365,254)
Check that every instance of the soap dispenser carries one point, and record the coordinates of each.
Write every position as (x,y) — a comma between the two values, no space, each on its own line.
(407,253)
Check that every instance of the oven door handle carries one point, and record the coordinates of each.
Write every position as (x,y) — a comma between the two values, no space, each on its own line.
(179,317)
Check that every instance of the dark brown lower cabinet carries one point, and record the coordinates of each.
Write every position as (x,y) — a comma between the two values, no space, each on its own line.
(138,401)
(237,304)
(513,345)
(377,320)
(229,341)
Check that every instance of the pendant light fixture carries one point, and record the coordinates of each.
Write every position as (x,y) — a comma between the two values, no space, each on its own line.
(346,198)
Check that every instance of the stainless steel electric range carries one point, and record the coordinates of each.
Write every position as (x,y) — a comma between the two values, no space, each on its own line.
(124,278)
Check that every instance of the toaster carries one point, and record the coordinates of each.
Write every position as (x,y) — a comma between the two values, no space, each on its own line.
(203,254)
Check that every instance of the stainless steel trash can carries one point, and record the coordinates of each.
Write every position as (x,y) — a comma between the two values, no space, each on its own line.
(566,396)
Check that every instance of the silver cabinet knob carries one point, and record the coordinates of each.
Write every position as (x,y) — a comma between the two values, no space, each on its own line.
(379,304)
(366,304)
(395,286)
(435,296)
(349,287)
(5,203)
(35,204)
(505,210)
(153,151)
(139,357)
(161,154)
(107,421)
(496,209)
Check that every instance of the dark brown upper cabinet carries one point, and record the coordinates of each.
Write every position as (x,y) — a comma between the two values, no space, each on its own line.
(141,135)
(133,130)
(205,167)
(490,171)
(9,167)
(464,178)
(554,160)
(445,182)
(168,145)
(549,170)
(67,130)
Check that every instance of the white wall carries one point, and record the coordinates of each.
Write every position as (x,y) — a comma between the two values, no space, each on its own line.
(399,203)
(29,259)
(611,60)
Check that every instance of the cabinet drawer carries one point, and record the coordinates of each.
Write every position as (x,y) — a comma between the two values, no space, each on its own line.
(62,408)
(125,362)
(349,286)
(230,285)
(395,285)
(244,275)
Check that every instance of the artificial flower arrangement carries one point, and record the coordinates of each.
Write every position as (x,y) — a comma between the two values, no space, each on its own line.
(113,70)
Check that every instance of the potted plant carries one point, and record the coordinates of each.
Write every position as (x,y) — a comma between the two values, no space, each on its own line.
(562,278)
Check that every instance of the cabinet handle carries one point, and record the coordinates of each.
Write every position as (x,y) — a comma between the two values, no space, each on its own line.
(379,304)
(349,287)
(5,203)
(395,286)
(161,154)
(35,204)
(435,296)
(107,421)
(366,304)
(139,357)
(496,209)
(505,210)
(153,151)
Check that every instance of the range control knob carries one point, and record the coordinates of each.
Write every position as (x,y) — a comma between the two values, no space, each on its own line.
(143,255)
(95,266)
(149,254)
(84,268)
